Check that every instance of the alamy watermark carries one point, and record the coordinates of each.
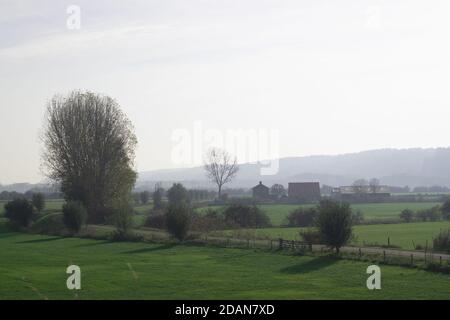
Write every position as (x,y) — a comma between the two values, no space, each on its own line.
(255,146)
(73,21)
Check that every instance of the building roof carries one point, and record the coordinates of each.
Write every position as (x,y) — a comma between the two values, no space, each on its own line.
(260,185)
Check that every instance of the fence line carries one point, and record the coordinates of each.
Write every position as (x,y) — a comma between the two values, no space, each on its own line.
(400,257)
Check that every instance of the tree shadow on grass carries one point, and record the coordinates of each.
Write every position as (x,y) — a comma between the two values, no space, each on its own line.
(96,243)
(152,249)
(310,266)
(40,240)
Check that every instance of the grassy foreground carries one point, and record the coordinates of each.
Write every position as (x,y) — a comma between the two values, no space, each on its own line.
(33,267)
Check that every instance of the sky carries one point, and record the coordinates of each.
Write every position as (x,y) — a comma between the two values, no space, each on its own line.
(309,77)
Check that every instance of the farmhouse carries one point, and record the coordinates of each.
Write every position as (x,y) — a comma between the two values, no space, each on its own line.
(260,191)
(304,191)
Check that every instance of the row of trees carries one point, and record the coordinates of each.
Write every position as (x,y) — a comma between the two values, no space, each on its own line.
(362,185)
(435,213)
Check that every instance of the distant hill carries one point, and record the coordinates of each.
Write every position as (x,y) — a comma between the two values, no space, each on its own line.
(395,167)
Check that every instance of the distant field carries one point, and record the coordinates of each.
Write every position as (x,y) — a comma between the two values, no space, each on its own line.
(34,267)
(401,235)
(278,212)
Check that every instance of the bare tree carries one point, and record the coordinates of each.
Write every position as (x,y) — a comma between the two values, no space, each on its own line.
(89,150)
(374,185)
(220,167)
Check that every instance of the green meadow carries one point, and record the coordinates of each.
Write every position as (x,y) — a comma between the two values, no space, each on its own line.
(34,266)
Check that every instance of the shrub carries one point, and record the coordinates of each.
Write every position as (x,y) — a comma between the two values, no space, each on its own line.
(123,217)
(38,201)
(156,219)
(310,236)
(119,236)
(431,214)
(178,220)
(20,212)
(209,221)
(357,217)
(144,197)
(446,210)
(334,223)
(178,195)
(246,216)
(74,216)
(52,223)
(157,199)
(407,215)
(442,241)
(302,217)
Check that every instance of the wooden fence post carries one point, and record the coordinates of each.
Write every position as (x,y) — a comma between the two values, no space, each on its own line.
(280,243)
(384,255)
(412,259)
(440,260)
(360,253)
(271,244)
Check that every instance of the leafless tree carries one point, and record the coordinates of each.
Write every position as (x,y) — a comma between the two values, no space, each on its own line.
(220,167)
(89,150)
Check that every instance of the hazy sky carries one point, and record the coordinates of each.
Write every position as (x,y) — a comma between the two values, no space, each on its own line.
(329,76)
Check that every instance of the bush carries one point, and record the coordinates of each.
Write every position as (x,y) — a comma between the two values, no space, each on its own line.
(334,223)
(120,236)
(310,236)
(178,195)
(157,199)
(446,210)
(432,214)
(244,216)
(20,212)
(123,217)
(442,241)
(302,217)
(52,223)
(156,219)
(144,197)
(178,220)
(38,201)
(209,221)
(74,216)
(407,215)
(357,217)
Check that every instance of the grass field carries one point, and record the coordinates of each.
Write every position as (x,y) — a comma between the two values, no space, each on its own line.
(33,267)
(278,212)
(401,235)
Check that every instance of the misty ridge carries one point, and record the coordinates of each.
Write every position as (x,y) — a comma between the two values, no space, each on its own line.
(394,167)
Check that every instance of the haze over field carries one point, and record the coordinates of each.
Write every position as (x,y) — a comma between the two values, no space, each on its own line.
(330,77)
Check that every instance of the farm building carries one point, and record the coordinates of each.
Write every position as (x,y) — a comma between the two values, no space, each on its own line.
(304,191)
(361,194)
(260,191)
